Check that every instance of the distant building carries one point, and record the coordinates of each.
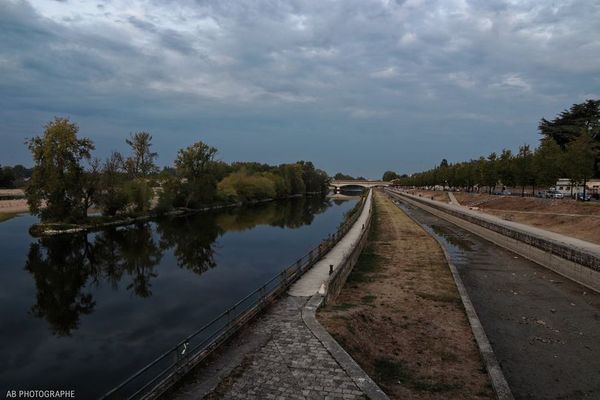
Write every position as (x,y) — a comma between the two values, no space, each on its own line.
(563,185)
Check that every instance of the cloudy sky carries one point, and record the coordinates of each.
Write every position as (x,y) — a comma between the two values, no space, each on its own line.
(358,86)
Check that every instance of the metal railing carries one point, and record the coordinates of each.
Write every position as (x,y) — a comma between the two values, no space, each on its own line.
(159,375)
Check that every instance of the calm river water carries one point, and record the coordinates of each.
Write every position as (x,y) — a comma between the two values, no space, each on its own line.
(84,312)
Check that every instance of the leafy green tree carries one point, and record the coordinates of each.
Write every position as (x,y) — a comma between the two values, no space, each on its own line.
(524,168)
(568,126)
(292,174)
(490,172)
(564,129)
(55,191)
(193,165)
(7,177)
(343,177)
(580,157)
(506,170)
(112,198)
(548,162)
(389,176)
(246,186)
(141,162)
(139,195)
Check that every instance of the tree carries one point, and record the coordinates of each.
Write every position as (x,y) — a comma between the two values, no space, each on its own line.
(389,176)
(55,191)
(343,177)
(524,168)
(490,172)
(7,177)
(141,162)
(581,155)
(112,198)
(193,165)
(568,126)
(548,162)
(506,172)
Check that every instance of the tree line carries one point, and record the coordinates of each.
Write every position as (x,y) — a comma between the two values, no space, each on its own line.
(569,148)
(66,180)
(15,176)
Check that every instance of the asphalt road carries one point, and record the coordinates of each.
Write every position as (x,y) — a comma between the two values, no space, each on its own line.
(544,328)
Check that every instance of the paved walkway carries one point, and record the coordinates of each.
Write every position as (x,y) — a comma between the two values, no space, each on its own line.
(313,280)
(453,199)
(282,358)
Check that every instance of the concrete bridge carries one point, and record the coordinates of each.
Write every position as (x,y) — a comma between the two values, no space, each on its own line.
(337,185)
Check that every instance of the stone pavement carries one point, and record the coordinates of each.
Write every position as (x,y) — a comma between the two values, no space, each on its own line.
(293,364)
(312,281)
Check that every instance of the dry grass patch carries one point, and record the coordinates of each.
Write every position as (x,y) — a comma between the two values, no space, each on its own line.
(401,318)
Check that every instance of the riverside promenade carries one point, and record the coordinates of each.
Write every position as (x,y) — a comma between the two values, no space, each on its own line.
(285,353)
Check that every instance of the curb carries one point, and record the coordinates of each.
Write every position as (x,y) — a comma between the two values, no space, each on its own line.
(492,366)
(354,371)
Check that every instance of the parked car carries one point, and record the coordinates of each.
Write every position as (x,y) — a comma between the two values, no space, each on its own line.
(581,197)
(540,194)
(554,194)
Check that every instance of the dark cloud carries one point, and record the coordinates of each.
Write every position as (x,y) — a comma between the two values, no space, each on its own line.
(360,86)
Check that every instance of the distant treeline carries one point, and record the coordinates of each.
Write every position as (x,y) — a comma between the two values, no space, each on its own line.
(343,177)
(14,177)
(66,180)
(569,148)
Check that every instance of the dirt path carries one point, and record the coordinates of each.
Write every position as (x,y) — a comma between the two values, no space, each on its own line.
(401,318)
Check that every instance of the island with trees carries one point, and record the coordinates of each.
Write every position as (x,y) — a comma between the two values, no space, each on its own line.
(66,181)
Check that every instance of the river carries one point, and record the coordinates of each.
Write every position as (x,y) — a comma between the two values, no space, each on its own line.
(83,312)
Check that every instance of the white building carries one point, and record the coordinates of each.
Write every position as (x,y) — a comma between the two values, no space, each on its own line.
(563,185)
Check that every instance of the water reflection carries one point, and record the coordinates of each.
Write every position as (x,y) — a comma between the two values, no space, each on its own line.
(61,271)
(67,268)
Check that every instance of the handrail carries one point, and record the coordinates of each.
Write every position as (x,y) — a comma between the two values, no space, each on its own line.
(183,357)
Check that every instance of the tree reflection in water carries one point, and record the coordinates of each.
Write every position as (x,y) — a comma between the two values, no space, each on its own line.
(66,268)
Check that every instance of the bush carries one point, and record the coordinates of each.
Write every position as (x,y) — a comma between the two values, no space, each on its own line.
(112,201)
(139,195)
(247,187)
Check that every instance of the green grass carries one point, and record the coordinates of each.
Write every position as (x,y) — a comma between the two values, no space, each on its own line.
(7,216)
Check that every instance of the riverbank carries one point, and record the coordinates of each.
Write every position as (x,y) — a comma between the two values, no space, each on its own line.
(98,223)
(7,216)
(401,318)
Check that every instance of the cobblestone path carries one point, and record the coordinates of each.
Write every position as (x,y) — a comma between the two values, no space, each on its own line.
(292,364)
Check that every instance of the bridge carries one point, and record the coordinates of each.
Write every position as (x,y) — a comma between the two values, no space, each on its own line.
(337,185)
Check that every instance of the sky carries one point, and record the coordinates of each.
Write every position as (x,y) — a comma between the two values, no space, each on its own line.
(357,86)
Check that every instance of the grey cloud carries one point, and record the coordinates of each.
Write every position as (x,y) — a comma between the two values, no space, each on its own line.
(371,80)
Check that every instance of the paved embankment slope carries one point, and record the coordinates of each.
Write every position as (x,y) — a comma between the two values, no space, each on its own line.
(544,328)
(582,245)
(576,259)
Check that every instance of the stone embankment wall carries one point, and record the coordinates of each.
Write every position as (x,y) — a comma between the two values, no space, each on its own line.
(337,279)
(569,261)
